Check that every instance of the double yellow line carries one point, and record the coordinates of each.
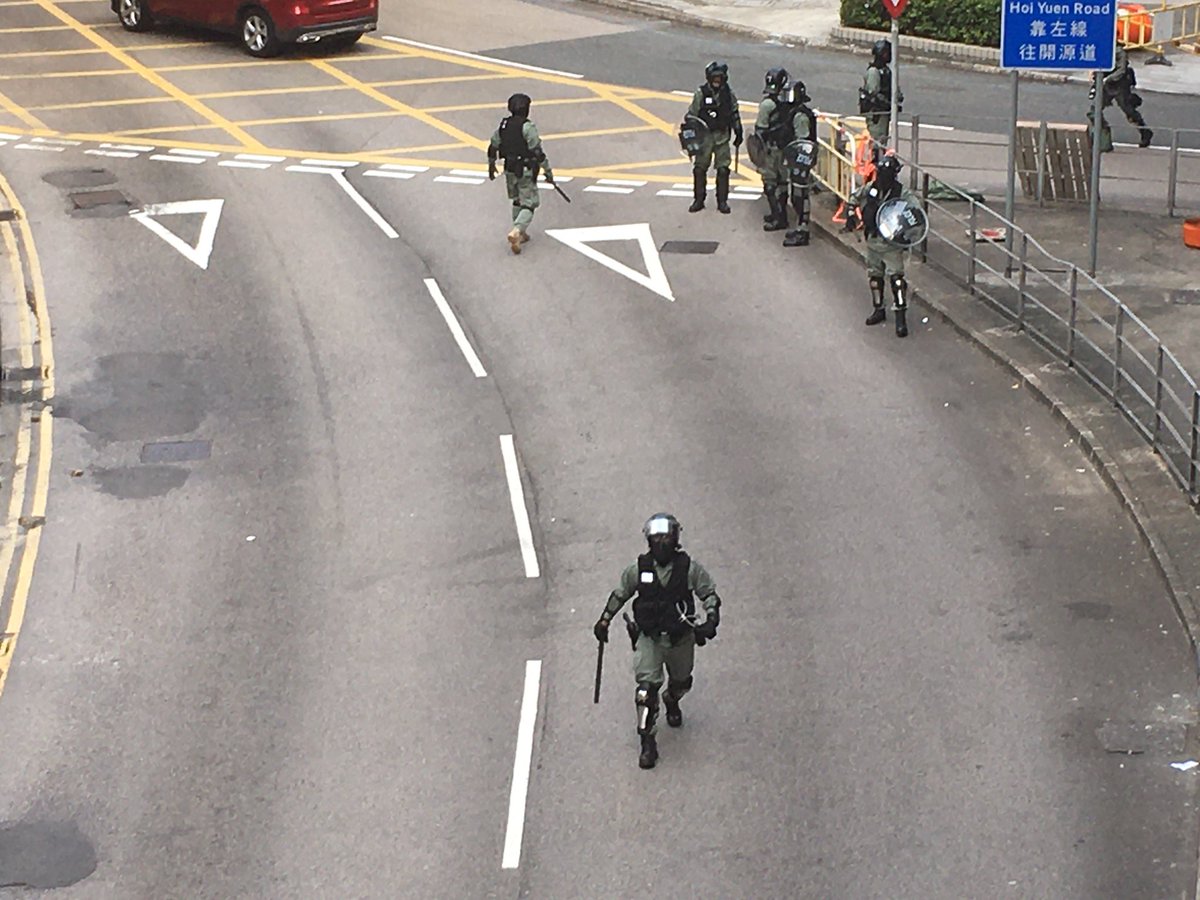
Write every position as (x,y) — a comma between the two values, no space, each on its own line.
(30,482)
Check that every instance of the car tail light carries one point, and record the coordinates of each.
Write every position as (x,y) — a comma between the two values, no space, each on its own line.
(300,9)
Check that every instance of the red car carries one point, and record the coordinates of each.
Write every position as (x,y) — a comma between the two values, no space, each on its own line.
(264,26)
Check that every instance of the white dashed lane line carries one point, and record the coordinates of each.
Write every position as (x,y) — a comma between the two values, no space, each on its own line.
(456,330)
(329,163)
(255,157)
(39,147)
(616,182)
(194,160)
(455,179)
(520,513)
(605,189)
(522,763)
(134,148)
(243,164)
(376,173)
(201,154)
(117,154)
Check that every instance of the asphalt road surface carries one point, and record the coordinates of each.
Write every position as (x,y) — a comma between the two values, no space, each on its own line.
(339,485)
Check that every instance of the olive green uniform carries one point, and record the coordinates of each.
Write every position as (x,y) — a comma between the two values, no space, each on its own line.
(882,258)
(1118,84)
(775,172)
(523,189)
(715,146)
(878,122)
(653,652)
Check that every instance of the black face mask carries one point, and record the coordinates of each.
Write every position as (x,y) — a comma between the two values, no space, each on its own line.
(662,552)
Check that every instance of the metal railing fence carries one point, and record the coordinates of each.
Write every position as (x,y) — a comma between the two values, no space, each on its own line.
(1055,302)
(1153,28)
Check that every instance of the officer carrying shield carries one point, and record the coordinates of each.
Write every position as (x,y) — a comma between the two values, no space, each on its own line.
(783,120)
(875,95)
(884,257)
(664,584)
(715,105)
(516,141)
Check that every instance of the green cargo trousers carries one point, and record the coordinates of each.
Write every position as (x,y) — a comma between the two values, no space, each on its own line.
(653,653)
(523,192)
(884,258)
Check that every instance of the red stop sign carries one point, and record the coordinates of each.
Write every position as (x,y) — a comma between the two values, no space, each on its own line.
(895,7)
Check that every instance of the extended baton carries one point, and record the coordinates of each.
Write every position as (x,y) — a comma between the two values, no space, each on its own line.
(599,669)
(737,158)
(561,192)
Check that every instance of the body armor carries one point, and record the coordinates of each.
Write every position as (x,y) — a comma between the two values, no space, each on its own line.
(661,609)
(513,148)
(716,107)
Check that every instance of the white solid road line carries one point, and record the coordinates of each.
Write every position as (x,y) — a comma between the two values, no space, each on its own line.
(520,513)
(491,59)
(361,201)
(522,763)
(460,337)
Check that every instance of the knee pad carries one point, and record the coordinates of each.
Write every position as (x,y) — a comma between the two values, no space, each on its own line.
(900,291)
(676,689)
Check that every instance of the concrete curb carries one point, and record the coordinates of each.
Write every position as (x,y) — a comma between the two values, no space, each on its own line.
(1084,413)
(683,17)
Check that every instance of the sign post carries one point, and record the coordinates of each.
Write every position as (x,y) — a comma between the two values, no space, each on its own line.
(894,9)
(1059,36)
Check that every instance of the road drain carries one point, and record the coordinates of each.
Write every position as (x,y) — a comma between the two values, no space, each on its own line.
(689,247)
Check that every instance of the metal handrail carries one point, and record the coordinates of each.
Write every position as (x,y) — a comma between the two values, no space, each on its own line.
(1096,335)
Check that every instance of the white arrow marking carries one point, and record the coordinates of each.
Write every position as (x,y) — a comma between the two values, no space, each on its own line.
(580,238)
(210,209)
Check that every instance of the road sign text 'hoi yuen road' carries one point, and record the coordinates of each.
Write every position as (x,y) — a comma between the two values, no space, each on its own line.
(1048,34)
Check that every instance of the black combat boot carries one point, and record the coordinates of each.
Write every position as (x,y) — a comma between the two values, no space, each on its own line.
(674,713)
(723,191)
(1147,136)
(699,190)
(900,293)
(778,220)
(797,238)
(649,755)
(878,314)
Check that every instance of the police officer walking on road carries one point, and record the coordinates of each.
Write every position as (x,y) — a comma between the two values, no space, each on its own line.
(783,118)
(516,141)
(664,585)
(715,105)
(1119,83)
(875,95)
(883,257)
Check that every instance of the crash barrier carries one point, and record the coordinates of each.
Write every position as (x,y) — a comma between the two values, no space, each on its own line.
(1154,28)
(1054,162)
(1072,315)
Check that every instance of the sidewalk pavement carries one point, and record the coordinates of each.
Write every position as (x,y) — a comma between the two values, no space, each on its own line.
(816,23)
(1143,261)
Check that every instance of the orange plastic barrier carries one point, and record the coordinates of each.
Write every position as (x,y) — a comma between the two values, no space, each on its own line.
(1134,24)
(1191,233)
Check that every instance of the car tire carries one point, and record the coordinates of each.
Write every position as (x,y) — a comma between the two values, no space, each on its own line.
(340,42)
(258,33)
(134,15)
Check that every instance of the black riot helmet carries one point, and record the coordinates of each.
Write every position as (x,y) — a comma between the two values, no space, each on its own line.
(798,93)
(776,82)
(887,171)
(715,69)
(881,52)
(662,531)
(518,105)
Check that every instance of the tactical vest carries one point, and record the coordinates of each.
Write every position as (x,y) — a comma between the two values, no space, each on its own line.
(513,148)
(812,121)
(659,608)
(870,208)
(779,131)
(882,101)
(716,107)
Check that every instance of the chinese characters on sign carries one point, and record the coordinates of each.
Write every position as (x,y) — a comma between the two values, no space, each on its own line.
(1045,34)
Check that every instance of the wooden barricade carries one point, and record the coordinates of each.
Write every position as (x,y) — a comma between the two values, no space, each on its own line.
(1067,163)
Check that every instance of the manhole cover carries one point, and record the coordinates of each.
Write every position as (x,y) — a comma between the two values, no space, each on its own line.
(690,247)
(94,199)
(176,451)
(1185,297)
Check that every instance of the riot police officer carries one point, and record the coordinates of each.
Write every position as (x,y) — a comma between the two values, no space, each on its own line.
(714,104)
(664,584)
(883,258)
(875,95)
(783,119)
(1118,84)
(516,141)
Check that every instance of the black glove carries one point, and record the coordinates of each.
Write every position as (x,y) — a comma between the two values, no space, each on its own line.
(549,176)
(707,630)
(737,138)
(600,630)
(852,221)
(491,170)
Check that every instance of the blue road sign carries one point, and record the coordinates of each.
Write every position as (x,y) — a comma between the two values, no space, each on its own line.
(1069,35)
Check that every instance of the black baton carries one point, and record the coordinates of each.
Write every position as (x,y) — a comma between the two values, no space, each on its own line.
(599,669)
(561,192)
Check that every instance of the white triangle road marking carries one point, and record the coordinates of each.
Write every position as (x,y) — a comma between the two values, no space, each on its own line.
(210,209)
(655,277)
